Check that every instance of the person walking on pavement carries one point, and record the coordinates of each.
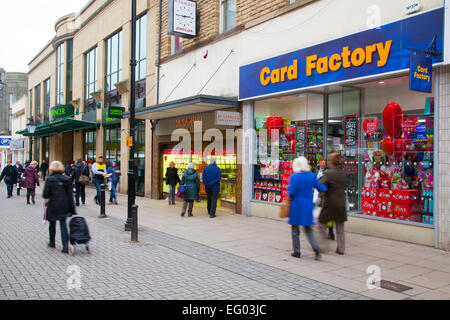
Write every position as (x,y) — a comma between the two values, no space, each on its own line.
(323,166)
(99,174)
(114,171)
(44,169)
(58,192)
(300,190)
(172,179)
(80,169)
(68,171)
(211,179)
(11,176)
(191,182)
(20,171)
(31,181)
(334,206)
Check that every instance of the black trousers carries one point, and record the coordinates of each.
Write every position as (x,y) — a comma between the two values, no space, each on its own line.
(80,190)
(212,197)
(30,192)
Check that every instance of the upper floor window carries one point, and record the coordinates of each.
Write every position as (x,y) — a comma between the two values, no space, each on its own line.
(60,59)
(69,72)
(228,15)
(11,99)
(31,103)
(141,48)
(91,78)
(113,61)
(46,99)
(176,44)
(37,104)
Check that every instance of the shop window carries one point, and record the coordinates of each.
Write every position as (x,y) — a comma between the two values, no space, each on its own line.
(397,152)
(90,145)
(112,144)
(298,122)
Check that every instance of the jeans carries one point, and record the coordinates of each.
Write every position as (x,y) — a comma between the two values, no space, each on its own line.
(296,239)
(98,183)
(64,233)
(172,194)
(80,191)
(185,205)
(113,195)
(212,197)
(9,187)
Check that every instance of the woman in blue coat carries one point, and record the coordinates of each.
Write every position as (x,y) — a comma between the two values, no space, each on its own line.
(301,188)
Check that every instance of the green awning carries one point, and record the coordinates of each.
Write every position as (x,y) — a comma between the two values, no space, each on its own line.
(59,126)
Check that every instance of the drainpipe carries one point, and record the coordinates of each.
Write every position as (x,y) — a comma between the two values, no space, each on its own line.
(158,64)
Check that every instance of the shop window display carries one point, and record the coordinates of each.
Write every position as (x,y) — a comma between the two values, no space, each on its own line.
(384,133)
(226,162)
(299,122)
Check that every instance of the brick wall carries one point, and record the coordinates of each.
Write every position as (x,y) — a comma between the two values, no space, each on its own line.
(444,158)
(247,10)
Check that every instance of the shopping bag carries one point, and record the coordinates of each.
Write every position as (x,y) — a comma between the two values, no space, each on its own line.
(285,207)
(44,217)
(109,185)
(179,193)
(316,213)
(182,189)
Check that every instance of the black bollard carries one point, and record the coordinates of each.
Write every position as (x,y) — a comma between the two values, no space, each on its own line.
(134,229)
(103,201)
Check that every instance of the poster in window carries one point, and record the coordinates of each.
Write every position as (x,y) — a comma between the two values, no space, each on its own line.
(300,138)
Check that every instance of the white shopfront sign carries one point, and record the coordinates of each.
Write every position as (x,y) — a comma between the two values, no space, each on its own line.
(226,118)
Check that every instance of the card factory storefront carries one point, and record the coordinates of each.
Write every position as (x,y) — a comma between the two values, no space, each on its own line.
(356,96)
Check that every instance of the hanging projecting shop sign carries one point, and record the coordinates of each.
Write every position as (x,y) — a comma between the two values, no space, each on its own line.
(182,18)
(368,53)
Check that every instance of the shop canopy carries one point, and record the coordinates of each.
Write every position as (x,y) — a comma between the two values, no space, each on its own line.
(190,105)
(59,126)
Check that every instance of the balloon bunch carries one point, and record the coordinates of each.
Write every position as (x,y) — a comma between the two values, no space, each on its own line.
(392,121)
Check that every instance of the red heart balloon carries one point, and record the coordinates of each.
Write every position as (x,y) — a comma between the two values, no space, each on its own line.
(289,132)
(409,125)
(387,145)
(371,126)
(392,117)
(274,123)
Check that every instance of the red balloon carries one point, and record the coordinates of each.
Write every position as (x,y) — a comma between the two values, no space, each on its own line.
(387,145)
(289,132)
(392,118)
(274,123)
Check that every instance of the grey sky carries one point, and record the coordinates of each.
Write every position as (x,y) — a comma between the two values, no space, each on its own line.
(26,26)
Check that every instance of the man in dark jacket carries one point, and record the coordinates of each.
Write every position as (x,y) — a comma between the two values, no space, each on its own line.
(334,206)
(78,170)
(11,176)
(172,179)
(44,169)
(211,179)
(20,171)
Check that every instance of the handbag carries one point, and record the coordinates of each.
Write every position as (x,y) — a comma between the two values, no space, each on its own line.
(84,180)
(285,208)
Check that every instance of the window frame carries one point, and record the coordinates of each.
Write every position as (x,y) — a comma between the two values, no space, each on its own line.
(89,104)
(113,76)
(60,81)
(141,47)
(224,13)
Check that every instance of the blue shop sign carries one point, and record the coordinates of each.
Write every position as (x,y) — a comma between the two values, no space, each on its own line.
(368,53)
(5,142)
(421,74)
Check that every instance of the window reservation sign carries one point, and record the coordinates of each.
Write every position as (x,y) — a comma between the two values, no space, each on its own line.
(368,53)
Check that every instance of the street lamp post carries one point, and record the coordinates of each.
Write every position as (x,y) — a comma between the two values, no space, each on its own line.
(131,168)
(31,126)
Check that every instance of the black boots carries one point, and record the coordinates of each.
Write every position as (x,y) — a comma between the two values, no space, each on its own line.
(331,234)
(51,245)
(65,248)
